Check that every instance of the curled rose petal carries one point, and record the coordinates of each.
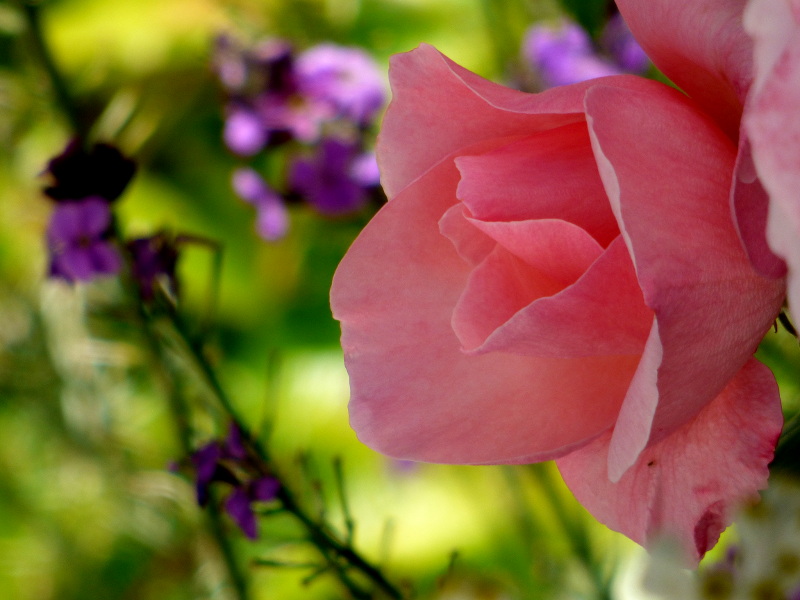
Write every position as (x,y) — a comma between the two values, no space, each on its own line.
(689,485)
(711,307)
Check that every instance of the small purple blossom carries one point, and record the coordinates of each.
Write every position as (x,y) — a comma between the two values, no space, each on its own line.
(239,503)
(100,171)
(244,131)
(621,45)
(153,261)
(347,79)
(272,221)
(227,461)
(564,54)
(327,180)
(77,239)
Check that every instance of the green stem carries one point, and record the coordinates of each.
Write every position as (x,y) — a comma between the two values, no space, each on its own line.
(320,537)
(180,411)
(32,15)
(576,533)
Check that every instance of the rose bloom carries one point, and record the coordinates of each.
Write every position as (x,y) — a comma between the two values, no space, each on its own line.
(558,276)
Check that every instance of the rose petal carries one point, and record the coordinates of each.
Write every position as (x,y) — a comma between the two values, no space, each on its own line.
(415,395)
(702,47)
(749,202)
(688,485)
(667,172)
(551,174)
(588,318)
(471,244)
(532,260)
(432,93)
(772,126)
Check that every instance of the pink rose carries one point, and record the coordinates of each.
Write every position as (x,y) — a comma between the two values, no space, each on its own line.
(557,276)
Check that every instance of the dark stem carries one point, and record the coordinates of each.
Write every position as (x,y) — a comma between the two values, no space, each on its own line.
(180,415)
(319,535)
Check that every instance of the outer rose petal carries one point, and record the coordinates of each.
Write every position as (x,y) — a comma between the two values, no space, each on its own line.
(701,46)
(688,485)
(415,395)
(771,123)
(433,94)
(667,169)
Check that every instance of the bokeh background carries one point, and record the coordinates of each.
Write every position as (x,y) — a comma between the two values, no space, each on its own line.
(89,508)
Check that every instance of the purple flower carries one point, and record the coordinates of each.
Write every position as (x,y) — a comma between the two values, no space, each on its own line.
(331,179)
(273,219)
(564,55)
(626,51)
(77,172)
(77,239)
(239,503)
(244,133)
(347,79)
(268,66)
(153,260)
(227,462)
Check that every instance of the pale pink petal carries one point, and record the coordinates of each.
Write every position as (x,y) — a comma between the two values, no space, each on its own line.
(588,318)
(689,485)
(771,123)
(702,47)
(471,244)
(667,170)
(551,174)
(415,395)
(439,107)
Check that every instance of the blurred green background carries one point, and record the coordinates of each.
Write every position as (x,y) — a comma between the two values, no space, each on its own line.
(88,507)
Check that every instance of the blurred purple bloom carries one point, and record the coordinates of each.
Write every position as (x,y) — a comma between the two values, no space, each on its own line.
(626,51)
(234,447)
(564,55)
(101,171)
(77,240)
(274,60)
(153,260)
(295,116)
(244,132)
(364,170)
(230,63)
(272,221)
(327,180)
(239,503)
(347,79)
(205,460)
(227,461)
(268,66)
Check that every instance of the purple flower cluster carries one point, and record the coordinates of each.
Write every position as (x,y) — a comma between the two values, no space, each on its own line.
(565,53)
(316,106)
(84,184)
(228,461)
